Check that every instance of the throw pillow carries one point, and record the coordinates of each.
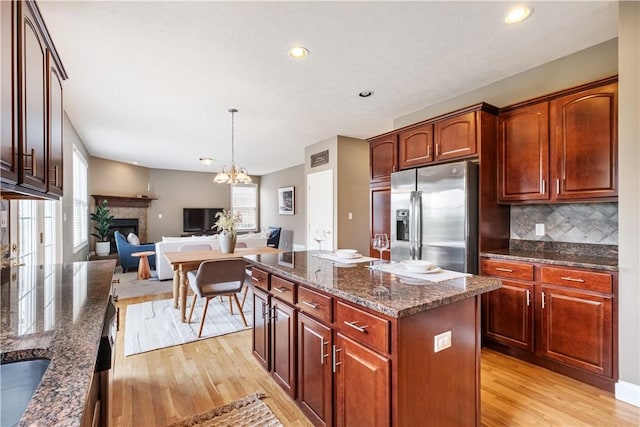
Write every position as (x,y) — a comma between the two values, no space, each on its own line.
(133,239)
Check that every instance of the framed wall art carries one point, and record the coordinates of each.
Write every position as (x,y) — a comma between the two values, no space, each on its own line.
(286,200)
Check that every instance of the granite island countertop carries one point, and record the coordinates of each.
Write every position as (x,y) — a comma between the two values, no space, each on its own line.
(356,283)
(56,312)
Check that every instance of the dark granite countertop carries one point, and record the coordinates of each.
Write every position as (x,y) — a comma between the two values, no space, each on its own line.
(356,283)
(56,312)
(598,257)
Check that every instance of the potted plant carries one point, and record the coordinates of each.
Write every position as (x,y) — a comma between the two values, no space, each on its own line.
(103,220)
(226,222)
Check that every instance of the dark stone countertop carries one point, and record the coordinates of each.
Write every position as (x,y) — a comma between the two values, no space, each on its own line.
(582,260)
(356,283)
(56,312)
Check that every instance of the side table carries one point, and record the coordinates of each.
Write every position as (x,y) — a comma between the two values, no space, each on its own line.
(144,272)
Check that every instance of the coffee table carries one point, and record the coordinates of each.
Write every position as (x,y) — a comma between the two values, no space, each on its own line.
(144,272)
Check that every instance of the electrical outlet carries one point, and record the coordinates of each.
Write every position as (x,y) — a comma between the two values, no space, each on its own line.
(539,229)
(350,215)
(441,341)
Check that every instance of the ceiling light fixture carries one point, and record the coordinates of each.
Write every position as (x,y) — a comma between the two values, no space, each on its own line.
(206,161)
(298,52)
(518,14)
(365,93)
(232,174)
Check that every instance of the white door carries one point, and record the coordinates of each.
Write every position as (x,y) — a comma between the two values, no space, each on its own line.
(320,208)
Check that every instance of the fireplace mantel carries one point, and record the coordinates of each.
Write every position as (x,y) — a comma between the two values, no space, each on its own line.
(124,201)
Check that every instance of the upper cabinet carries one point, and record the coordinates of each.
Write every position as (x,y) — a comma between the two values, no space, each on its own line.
(416,146)
(562,147)
(383,157)
(456,137)
(32,162)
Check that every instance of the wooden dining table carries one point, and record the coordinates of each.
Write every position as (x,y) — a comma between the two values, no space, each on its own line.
(182,262)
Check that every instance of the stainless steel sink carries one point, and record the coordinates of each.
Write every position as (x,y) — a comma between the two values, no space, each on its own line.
(19,381)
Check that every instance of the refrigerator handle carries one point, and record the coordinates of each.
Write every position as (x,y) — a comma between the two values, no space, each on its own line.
(411,196)
(417,228)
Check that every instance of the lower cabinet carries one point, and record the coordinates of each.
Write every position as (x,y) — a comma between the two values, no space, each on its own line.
(260,338)
(362,384)
(564,319)
(283,345)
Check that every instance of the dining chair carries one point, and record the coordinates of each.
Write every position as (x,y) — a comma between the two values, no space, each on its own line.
(217,278)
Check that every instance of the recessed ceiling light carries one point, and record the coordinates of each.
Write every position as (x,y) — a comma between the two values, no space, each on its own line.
(135,162)
(518,14)
(206,161)
(365,93)
(298,52)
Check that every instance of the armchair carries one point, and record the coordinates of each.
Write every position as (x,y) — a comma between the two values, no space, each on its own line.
(125,249)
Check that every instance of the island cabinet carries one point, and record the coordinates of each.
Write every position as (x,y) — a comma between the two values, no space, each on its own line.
(359,367)
(562,318)
(561,147)
(31,160)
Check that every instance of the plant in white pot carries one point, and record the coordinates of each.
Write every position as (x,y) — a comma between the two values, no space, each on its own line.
(226,222)
(103,220)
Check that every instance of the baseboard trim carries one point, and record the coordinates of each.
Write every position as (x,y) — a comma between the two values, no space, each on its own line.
(628,392)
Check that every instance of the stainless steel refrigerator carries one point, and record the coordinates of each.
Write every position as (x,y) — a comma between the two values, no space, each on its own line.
(434,215)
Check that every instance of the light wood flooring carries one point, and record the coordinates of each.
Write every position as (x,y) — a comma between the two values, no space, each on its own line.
(168,385)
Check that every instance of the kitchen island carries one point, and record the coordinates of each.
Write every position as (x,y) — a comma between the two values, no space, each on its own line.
(357,346)
(56,312)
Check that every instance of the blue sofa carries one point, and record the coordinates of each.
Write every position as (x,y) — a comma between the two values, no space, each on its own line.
(125,249)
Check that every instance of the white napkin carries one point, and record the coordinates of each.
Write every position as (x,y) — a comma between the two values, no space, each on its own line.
(333,257)
(399,270)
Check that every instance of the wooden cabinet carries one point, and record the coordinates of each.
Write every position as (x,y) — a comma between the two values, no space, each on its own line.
(260,330)
(32,105)
(455,137)
(523,152)
(283,345)
(363,380)
(315,376)
(415,146)
(563,320)
(584,143)
(562,147)
(380,198)
(383,157)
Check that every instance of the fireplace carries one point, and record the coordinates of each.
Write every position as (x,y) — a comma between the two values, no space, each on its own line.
(124,226)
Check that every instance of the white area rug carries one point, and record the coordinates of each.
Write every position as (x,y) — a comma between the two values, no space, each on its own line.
(130,287)
(156,324)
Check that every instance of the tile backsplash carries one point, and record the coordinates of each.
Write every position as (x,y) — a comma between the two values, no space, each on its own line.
(594,223)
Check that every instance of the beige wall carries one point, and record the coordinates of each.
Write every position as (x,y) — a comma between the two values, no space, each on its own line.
(353,194)
(629,201)
(71,139)
(111,178)
(581,67)
(269,185)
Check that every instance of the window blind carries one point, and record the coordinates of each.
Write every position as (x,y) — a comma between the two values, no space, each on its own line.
(244,200)
(80,202)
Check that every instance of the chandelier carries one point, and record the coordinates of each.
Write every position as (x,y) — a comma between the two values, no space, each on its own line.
(232,174)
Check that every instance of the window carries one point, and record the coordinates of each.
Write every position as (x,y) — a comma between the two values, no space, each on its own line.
(244,200)
(80,202)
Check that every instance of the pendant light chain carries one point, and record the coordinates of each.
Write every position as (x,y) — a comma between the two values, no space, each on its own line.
(232,174)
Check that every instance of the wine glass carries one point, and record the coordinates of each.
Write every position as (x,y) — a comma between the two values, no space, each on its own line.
(381,243)
(320,236)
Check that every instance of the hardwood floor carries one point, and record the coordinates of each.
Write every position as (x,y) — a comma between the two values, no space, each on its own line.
(168,385)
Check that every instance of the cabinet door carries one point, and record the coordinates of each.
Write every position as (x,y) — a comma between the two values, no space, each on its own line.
(584,143)
(283,346)
(456,137)
(363,385)
(415,146)
(508,314)
(8,94)
(260,339)
(380,217)
(32,172)
(54,84)
(314,370)
(383,157)
(577,329)
(523,153)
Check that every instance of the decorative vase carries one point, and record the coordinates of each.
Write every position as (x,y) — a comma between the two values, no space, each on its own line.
(103,248)
(227,241)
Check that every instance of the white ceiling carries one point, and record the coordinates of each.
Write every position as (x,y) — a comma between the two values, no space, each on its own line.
(152,81)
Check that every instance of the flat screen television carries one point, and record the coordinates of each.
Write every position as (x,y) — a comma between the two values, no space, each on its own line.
(199,220)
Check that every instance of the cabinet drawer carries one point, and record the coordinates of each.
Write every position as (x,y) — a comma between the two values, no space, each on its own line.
(588,280)
(364,327)
(260,278)
(508,269)
(283,289)
(314,304)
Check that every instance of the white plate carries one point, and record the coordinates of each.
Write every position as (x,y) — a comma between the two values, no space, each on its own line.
(347,255)
(434,269)
(417,265)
